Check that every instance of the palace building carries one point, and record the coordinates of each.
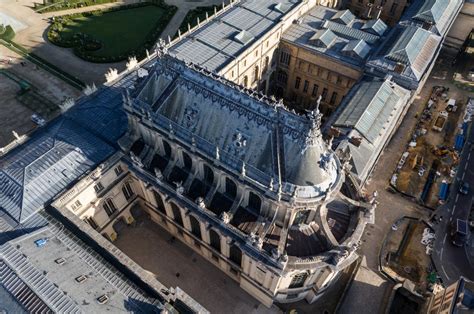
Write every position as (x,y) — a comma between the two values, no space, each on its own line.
(189,139)
(257,192)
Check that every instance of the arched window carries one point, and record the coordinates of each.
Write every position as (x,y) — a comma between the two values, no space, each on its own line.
(235,255)
(167,148)
(246,81)
(215,240)
(298,280)
(127,191)
(195,226)
(267,62)
(109,207)
(188,162)
(177,214)
(255,74)
(255,203)
(159,202)
(230,188)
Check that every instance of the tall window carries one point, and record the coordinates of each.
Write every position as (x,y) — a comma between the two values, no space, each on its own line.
(314,93)
(305,86)
(255,74)
(177,214)
(285,58)
(159,202)
(267,62)
(235,255)
(98,187)
(298,280)
(109,207)
(91,222)
(118,170)
(195,227)
(255,202)
(215,240)
(324,95)
(333,98)
(246,81)
(282,77)
(127,191)
(297,82)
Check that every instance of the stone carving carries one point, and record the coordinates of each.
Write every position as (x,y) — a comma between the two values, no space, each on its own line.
(243,169)
(136,160)
(200,202)
(226,217)
(191,114)
(326,160)
(179,187)
(89,89)
(239,143)
(217,153)
(158,174)
(161,49)
(111,75)
(132,63)
(68,103)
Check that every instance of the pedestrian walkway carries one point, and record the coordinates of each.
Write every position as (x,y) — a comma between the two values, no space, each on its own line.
(183,8)
(89,8)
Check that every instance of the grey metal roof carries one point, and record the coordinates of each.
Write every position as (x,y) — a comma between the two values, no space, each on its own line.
(411,46)
(323,38)
(222,39)
(376,27)
(357,47)
(318,32)
(370,107)
(54,285)
(439,13)
(345,17)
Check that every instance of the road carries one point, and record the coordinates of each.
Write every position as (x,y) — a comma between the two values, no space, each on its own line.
(451,261)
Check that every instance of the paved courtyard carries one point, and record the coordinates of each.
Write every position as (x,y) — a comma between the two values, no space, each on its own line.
(152,248)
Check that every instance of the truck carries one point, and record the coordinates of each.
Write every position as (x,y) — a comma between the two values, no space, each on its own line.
(459,232)
(440,121)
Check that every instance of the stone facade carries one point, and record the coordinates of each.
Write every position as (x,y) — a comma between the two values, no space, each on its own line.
(281,239)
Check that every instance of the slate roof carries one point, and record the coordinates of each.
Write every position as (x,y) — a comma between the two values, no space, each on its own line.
(246,129)
(328,31)
(224,38)
(438,13)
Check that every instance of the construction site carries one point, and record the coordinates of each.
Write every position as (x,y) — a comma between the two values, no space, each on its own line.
(428,165)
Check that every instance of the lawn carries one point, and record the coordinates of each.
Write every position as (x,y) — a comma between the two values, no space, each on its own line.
(120,33)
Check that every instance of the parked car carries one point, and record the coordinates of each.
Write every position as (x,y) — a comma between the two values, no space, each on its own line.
(36,118)
(459,232)
(464,188)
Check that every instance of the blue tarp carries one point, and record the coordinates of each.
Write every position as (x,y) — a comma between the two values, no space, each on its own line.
(443,191)
(459,142)
(464,128)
